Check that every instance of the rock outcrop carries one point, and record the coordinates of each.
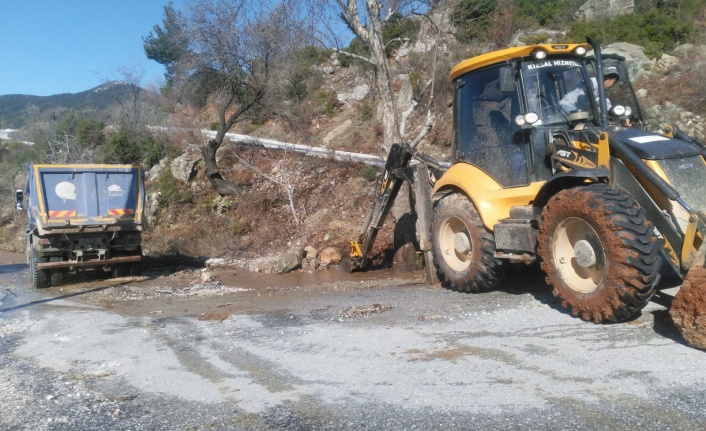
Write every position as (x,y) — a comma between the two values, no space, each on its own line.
(595,9)
(635,59)
(184,167)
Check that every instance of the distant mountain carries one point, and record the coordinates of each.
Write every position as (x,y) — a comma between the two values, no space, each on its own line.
(15,108)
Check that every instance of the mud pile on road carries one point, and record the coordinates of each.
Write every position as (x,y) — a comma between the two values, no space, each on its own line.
(688,310)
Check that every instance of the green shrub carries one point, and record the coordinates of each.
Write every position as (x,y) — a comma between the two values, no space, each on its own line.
(366,111)
(310,56)
(547,12)
(656,31)
(88,132)
(239,226)
(471,18)
(534,39)
(400,28)
(170,191)
(368,172)
(153,150)
(135,147)
(356,47)
(328,102)
(121,149)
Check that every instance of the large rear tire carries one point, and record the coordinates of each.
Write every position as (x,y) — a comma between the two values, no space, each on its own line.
(463,249)
(57,275)
(40,278)
(599,252)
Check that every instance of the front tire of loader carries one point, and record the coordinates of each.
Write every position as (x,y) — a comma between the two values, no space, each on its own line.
(599,252)
(463,249)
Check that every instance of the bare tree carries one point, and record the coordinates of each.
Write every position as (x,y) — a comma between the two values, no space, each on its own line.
(129,101)
(229,65)
(366,20)
(367,24)
(284,172)
(63,148)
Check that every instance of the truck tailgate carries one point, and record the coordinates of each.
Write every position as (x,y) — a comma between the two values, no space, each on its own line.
(84,195)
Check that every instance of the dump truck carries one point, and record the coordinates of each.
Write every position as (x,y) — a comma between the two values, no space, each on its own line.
(81,217)
(552,162)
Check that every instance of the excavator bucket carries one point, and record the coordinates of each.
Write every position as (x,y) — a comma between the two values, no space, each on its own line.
(688,309)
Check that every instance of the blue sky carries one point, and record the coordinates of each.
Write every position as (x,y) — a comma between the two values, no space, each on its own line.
(68,46)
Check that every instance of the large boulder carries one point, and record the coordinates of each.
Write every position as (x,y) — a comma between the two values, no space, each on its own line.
(635,59)
(330,256)
(155,171)
(358,93)
(405,259)
(310,252)
(184,167)
(596,9)
(151,206)
(289,260)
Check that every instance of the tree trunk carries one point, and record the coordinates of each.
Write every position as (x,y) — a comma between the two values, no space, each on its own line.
(390,119)
(222,187)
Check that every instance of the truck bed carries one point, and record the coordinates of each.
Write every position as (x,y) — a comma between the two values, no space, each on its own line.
(62,196)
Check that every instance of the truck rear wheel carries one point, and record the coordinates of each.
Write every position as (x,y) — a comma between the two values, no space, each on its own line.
(40,278)
(57,275)
(599,252)
(464,251)
(120,271)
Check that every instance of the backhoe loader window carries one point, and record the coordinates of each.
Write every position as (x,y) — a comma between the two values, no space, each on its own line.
(621,93)
(554,88)
(486,136)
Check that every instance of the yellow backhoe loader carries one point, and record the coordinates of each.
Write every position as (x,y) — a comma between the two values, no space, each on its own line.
(552,160)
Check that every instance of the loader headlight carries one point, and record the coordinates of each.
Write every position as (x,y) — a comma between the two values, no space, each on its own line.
(526,119)
(620,110)
(539,54)
(580,50)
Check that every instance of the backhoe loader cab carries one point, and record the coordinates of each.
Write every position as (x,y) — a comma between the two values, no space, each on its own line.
(508,111)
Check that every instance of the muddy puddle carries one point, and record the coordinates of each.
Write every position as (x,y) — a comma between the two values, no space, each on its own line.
(208,294)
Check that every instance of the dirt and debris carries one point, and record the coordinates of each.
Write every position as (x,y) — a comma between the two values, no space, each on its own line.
(331,198)
(688,310)
(363,311)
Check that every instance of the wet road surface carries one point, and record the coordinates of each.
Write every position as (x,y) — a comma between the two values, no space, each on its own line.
(190,350)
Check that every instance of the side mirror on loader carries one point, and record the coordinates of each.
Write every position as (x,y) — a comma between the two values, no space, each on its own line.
(507,79)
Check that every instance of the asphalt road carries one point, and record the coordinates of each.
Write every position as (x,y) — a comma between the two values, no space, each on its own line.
(239,351)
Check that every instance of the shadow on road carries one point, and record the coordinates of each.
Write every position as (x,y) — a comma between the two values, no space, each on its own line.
(169,264)
(12,268)
(530,280)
